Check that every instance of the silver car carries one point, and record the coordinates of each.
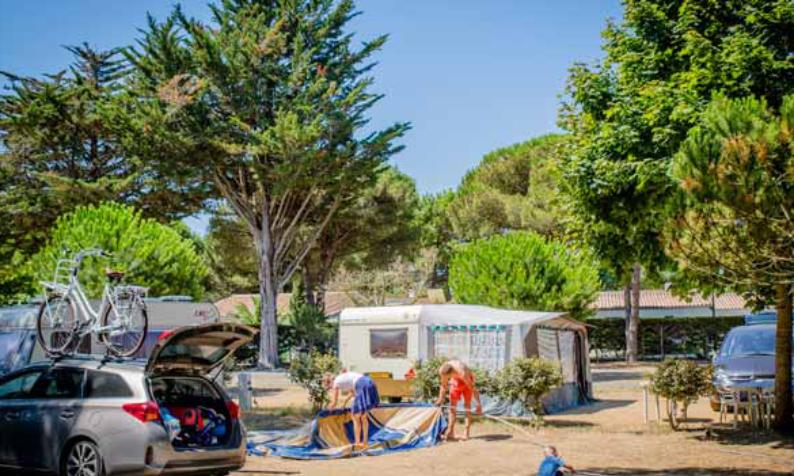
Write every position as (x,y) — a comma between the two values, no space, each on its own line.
(92,417)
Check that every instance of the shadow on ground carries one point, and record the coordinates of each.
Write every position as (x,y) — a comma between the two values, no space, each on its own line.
(616,376)
(596,406)
(746,436)
(285,418)
(677,472)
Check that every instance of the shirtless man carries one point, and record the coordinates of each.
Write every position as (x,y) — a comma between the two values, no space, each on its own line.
(456,376)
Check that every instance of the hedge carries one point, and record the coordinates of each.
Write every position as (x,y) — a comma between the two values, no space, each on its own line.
(694,337)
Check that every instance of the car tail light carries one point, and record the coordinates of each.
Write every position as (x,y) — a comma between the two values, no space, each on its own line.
(164,335)
(234,410)
(145,412)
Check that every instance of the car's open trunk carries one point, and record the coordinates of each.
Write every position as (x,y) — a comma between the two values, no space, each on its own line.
(204,420)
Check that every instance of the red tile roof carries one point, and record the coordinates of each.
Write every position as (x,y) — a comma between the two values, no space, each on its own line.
(659,298)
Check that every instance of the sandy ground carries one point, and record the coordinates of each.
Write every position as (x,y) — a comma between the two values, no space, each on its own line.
(606,438)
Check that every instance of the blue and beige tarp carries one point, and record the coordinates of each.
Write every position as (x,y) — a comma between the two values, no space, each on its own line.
(393,427)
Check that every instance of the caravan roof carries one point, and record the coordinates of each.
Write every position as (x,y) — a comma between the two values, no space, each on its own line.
(452,315)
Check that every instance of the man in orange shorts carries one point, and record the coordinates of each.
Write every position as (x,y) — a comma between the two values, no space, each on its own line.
(459,379)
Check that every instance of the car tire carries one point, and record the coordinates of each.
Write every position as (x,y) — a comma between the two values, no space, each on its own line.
(83,458)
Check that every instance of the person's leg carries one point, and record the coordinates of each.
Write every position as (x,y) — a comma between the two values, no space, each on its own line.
(467,404)
(453,417)
(356,429)
(365,429)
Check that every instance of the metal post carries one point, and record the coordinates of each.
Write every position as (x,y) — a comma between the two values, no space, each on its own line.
(245,390)
(645,403)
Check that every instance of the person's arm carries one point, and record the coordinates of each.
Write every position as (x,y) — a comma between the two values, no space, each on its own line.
(442,391)
(334,398)
(475,391)
(565,466)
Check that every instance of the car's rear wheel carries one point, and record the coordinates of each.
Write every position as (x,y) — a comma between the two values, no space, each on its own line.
(83,459)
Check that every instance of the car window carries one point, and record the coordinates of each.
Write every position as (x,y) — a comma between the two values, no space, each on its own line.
(749,342)
(19,386)
(106,385)
(59,383)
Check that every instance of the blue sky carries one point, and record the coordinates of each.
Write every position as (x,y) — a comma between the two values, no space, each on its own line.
(470,75)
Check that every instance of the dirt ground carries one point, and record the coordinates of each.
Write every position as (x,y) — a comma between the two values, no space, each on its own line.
(606,438)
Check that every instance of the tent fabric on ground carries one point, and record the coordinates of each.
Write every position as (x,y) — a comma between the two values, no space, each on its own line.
(393,427)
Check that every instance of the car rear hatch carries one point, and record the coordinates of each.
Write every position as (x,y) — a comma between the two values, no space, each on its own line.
(180,372)
(198,350)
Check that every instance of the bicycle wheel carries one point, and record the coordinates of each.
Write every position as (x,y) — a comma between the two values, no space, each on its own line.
(127,323)
(56,325)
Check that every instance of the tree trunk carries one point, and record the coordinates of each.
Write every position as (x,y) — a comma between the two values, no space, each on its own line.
(627,308)
(783,405)
(268,338)
(632,333)
(308,286)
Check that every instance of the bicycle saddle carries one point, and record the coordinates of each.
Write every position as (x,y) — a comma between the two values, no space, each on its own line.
(114,274)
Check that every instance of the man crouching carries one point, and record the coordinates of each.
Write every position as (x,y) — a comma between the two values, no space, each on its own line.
(459,379)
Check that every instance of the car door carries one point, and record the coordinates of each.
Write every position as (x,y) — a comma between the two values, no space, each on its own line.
(15,391)
(53,407)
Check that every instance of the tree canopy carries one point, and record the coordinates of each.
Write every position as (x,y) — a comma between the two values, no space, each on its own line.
(512,188)
(629,112)
(523,270)
(150,253)
(268,102)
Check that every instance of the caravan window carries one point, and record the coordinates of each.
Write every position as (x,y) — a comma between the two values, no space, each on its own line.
(388,343)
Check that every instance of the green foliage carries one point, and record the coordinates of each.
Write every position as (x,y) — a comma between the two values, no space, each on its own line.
(311,330)
(681,381)
(436,233)
(230,253)
(307,370)
(152,254)
(527,380)
(67,139)
(250,316)
(513,188)
(522,270)
(736,176)
(692,336)
(629,113)
(371,229)
(426,382)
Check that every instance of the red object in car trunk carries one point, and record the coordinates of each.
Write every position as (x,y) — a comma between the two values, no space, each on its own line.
(145,412)
(234,410)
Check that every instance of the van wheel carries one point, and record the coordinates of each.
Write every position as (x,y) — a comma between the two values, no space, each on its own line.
(83,459)
(395,399)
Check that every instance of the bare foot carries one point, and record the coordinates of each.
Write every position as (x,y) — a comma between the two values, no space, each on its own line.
(451,438)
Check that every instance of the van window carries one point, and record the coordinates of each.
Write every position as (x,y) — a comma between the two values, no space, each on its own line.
(59,383)
(388,343)
(106,385)
(19,386)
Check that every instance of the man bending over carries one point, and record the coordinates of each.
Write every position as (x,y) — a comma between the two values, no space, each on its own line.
(459,379)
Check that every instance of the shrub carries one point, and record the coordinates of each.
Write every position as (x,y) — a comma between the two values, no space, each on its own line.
(523,270)
(426,382)
(681,381)
(307,370)
(152,254)
(527,380)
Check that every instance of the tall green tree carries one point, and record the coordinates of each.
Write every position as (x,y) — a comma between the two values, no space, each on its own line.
(436,235)
(512,188)
(733,221)
(629,113)
(523,270)
(268,102)
(67,139)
